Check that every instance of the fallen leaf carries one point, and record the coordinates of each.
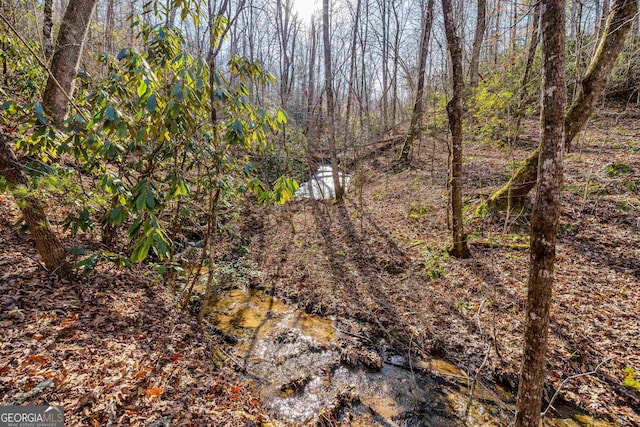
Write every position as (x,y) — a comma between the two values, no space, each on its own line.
(154,391)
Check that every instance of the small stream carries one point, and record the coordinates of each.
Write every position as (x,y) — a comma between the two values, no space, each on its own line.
(304,374)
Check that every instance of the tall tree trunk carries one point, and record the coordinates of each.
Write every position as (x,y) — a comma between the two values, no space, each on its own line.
(396,58)
(603,18)
(496,36)
(531,54)
(544,218)
(109,27)
(172,10)
(514,192)
(66,58)
(364,87)
(513,26)
(64,66)
(385,67)
(352,70)
(328,79)
(47,27)
(478,38)
(47,243)
(416,116)
(454,112)
(311,84)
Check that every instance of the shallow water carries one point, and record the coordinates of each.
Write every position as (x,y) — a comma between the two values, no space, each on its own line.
(294,359)
(320,185)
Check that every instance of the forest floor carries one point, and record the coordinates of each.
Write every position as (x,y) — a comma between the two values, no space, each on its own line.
(115,348)
(381,259)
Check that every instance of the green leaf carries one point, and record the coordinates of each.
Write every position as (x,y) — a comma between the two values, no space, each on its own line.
(282,117)
(177,92)
(142,88)
(111,113)
(151,103)
(140,202)
(151,202)
(88,263)
(40,113)
(141,249)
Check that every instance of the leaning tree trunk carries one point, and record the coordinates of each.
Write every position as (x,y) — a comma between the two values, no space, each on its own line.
(414,128)
(545,215)
(328,78)
(454,111)
(66,58)
(47,243)
(621,17)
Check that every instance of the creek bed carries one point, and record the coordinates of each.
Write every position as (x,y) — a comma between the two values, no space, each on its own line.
(305,375)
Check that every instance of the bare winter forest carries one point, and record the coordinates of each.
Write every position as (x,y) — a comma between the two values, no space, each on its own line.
(331,213)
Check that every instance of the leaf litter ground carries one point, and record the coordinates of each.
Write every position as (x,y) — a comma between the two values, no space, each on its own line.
(114,349)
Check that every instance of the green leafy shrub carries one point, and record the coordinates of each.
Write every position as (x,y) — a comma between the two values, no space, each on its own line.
(434,263)
(631,379)
(489,108)
(618,168)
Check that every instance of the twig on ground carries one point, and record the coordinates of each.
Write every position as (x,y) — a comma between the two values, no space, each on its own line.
(569,378)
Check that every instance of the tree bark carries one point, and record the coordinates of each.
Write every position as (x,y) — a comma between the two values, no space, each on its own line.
(416,116)
(478,38)
(533,46)
(328,79)
(311,84)
(496,34)
(47,243)
(109,27)
(352,68)
(454,112)
(544,218)
(66,58)
(47,26)
(396,54)
(385,61)
(523,180)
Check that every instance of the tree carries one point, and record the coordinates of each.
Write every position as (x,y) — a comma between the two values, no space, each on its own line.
(47,26)
(414,127)
(64,66)
(32,208)
(533,46)
(352,69)
(66,59)
(545,215)
(514,193)
(454,112)
(478,38)
(328,79)
(311,81)
(621,17)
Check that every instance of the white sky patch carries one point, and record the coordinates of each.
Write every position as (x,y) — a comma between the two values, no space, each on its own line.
(305,8)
